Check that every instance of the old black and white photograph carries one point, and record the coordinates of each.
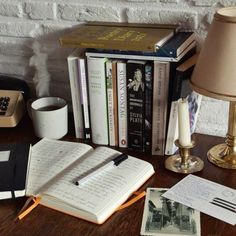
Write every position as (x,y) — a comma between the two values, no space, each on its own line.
(166,217)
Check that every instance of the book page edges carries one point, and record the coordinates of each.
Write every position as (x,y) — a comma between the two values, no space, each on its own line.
(149,173)
(49,202)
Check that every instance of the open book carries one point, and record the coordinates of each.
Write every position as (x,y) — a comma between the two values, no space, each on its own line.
(55,166)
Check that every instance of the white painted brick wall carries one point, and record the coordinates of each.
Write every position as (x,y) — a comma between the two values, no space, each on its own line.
(23,21)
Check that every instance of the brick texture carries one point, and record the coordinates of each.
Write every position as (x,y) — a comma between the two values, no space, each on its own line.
(22,22)
(40,10)
(10,9)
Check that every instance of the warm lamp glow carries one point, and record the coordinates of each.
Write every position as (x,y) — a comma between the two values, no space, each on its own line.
(215,76)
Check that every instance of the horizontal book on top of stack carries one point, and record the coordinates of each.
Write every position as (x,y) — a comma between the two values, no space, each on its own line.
(111,107)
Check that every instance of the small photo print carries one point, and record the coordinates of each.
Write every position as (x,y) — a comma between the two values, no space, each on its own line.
(162,216)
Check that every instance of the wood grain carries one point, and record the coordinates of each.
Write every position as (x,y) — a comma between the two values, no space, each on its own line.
(44,221)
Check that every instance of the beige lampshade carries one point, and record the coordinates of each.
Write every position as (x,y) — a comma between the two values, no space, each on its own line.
(215,72)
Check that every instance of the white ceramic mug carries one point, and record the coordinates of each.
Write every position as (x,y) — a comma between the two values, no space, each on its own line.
(50,117)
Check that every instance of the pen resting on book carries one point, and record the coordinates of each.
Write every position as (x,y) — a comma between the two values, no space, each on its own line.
(114,162)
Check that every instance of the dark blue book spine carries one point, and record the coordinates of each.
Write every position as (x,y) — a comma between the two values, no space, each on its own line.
(170,48)
(148,107)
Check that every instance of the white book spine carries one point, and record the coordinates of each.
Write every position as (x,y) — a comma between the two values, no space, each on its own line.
(84,97)
(122,103)
(75,96)
(110,104)
(160,101)
(98,100)
(172,132)
(165,104)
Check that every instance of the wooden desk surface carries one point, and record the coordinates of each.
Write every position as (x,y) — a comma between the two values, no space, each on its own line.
(127,222)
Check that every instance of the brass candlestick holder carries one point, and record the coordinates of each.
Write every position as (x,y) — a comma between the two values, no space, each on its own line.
(184,162)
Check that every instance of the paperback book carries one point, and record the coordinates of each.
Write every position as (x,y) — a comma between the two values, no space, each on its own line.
(122,103)
(98,100)
(76,68)
(111,82)
(148,106)
(136,103)
(160,104)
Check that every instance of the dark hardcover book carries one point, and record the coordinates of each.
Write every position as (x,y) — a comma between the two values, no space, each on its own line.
(183,72)
(173,83)
(148,106)
(13,169)
(176,45)
(135,103)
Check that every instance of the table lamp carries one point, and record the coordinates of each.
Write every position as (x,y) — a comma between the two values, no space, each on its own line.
(215,76)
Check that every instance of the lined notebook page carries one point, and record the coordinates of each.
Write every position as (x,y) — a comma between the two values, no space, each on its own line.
(105,190)
(49,158)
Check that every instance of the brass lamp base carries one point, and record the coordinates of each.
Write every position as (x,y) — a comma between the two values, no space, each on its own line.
(224,155)
(221,156)
(184,162)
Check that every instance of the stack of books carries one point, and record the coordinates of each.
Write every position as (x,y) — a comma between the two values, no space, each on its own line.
(122,79)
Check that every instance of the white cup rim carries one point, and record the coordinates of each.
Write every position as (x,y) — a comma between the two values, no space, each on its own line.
(48,101)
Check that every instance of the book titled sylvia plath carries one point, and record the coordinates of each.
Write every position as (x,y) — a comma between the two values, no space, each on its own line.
(56,165)
(135,103)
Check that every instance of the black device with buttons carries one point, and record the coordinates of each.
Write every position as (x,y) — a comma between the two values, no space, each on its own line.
(4,102)
(13,93)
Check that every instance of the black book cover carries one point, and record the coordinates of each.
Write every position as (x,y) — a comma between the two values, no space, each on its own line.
(173,83)
(148,106)
(135,103)
(180,76)
(13,168)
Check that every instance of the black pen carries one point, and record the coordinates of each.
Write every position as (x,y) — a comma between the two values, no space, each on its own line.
(114,162)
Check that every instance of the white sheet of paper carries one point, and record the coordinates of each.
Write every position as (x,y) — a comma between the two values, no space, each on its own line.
(198,193)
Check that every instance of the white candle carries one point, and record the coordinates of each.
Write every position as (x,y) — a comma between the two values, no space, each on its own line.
(184,124)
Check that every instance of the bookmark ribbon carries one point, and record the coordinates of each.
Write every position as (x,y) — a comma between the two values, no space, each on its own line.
(138,195)
(26,210)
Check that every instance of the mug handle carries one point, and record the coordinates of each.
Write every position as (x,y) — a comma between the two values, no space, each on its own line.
(28,106)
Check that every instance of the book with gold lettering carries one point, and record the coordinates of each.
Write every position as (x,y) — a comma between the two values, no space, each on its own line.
(56,166)
(137,37)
